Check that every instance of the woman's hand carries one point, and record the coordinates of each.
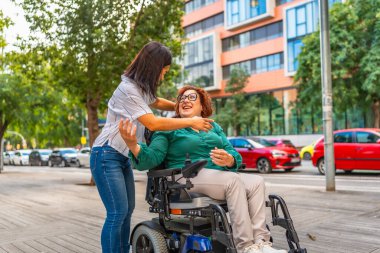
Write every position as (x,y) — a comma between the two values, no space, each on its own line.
(201,124)
(220,157)
(128,133)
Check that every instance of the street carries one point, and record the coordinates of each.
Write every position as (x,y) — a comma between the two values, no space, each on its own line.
(47,209)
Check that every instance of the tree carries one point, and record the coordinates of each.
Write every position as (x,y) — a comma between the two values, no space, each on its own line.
(355,60)
(238,109)
(97,39)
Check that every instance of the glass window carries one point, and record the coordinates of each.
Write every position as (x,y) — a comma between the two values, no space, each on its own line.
(366,137)
(291,23)
(193,5)
(241,143)
(204,25)
(242,10)
(254,36)
(345,137)
(280,2)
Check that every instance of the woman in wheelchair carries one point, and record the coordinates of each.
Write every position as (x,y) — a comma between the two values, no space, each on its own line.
(244,193)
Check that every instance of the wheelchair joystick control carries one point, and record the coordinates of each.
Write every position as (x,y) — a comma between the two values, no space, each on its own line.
(187,160)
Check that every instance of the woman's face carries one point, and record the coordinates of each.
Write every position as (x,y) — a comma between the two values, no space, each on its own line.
(163,72)
(190,104)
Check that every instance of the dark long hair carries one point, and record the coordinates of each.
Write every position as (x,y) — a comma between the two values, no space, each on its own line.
(146,68)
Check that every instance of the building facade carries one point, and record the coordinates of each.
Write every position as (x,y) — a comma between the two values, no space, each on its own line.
(264,37)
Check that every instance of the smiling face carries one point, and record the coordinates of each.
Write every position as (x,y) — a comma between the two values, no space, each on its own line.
(190,104)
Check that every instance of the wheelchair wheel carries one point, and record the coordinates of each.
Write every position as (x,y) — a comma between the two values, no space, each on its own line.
(147,240)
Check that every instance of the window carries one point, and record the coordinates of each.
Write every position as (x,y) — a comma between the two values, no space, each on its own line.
(204,25)
(257,65)
(280,2)
(254,36)
(345,137)
(366,137)
(300,21)
(199,62)
(193,5)
(238,11)
(241,143)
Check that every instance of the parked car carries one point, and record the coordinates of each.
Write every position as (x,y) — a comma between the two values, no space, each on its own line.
(39,157)
(84,157)
(281,142)
(21,157)
(307,152)
(63,157)
(354,149)
(8,157)
(265,156)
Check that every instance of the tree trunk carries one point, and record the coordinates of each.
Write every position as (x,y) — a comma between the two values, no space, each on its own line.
(376,113)
(3,128)
(92,105)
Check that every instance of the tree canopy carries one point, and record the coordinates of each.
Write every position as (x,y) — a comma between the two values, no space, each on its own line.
(355,59)
(96,40)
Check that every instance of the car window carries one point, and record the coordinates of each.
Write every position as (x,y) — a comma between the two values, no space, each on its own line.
(241,143)
(366,137)
(85,151)
(263,142)
(344,137)
(232,141)
(56,152)
(69,151)
(45,153)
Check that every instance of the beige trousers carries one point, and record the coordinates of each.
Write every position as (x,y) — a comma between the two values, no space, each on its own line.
(245,196)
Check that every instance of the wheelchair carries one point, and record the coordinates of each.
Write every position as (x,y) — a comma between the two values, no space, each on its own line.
(193,222)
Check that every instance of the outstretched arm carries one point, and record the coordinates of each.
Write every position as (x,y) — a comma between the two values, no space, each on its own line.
(143,157)
(163,104)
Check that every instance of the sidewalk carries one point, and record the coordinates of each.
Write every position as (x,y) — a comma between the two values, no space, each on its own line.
(47,210)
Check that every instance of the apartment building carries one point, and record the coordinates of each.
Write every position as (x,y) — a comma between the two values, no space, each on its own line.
(264,37)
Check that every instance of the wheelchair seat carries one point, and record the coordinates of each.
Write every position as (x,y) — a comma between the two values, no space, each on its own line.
(197,200)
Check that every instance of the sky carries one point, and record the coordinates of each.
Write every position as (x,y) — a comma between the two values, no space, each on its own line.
(20,26)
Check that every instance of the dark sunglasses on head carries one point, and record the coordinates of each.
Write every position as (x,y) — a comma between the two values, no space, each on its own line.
(190,97)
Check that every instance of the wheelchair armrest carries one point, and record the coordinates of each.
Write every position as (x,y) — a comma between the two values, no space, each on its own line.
(191,170)
(163,173)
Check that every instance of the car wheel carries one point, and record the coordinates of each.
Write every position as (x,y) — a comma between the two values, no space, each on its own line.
(50,163)
(62,164)
(147,240)
(306,156)
(348,171)
(78,164)
(289,169)
(321,166)
(263,166)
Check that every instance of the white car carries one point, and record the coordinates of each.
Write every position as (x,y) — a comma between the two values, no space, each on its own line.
(8,157)
(21,157)
(84,157)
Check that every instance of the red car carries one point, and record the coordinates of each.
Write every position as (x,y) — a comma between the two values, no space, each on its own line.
(281,143)
(265,156)
(354,149)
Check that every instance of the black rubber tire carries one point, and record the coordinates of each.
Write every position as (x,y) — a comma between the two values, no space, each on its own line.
(348,171)
(50,163)
(321,166)
(307,156)
(263,166)
(147,240)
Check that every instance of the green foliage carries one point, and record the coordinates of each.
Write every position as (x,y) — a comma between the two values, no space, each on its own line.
(98,39)
(238,110)
(35,106)
(355,60)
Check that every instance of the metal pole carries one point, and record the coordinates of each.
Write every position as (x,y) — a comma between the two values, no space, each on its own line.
(327,100)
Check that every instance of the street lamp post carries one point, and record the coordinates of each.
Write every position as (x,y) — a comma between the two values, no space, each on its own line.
(327,99)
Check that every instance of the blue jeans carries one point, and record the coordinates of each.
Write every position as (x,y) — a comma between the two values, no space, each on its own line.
(113,176)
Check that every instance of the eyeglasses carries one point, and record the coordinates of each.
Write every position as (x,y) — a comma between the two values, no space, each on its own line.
(190,97)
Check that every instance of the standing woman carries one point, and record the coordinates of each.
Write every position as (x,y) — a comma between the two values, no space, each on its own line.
(132,100)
